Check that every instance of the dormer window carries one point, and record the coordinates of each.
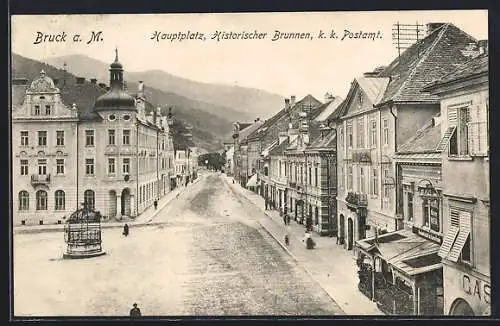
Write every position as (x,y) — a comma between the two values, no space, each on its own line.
(37,109)
(48,110)
(360,99)
(111,117)
(42,97)
(126,117)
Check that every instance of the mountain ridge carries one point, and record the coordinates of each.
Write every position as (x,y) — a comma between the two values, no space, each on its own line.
(235,102)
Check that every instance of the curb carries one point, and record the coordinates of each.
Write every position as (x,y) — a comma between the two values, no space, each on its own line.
(110,225)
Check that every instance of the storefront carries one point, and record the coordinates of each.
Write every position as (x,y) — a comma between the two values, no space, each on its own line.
(402,272)
(467,293)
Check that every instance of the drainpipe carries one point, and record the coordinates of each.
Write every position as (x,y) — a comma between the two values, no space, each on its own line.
(396,174)
(157,163)
(137,168)
(77,163)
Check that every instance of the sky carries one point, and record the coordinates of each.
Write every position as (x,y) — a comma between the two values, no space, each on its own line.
(311,65)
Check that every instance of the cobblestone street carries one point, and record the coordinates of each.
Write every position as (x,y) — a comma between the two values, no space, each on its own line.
(208,256)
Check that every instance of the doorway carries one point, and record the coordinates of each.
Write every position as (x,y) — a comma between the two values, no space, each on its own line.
(125,202)
(461,308)
(350,236)
(342,229)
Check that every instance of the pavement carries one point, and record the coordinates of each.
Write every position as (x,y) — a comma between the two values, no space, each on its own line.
(331,266)
(145,218)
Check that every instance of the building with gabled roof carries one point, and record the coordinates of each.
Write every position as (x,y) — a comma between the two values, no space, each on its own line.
(466,216)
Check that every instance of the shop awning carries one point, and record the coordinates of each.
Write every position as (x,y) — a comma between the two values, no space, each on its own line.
(404,250)
(253,181)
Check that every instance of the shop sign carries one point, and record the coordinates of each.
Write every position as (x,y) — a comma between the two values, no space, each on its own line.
(476,288)
(427,235)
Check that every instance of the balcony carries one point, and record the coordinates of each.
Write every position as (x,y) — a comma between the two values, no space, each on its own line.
(357,199)
(292,184)
(40,179)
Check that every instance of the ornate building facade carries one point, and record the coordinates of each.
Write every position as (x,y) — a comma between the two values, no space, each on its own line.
(109,156)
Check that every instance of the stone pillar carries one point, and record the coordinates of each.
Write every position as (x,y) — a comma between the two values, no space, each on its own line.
(118,206)
(133,208)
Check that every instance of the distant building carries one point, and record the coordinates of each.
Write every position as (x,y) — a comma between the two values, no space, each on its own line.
(71,150)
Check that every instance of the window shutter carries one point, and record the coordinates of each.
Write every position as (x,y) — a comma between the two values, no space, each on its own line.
(455,219)
(452,117)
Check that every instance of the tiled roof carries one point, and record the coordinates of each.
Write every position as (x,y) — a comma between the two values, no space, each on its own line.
(427,60)
(84,97)
(280,149)
(329,140)
(244,125)
(18,94)
(472,67)
(271,121)
(244,134)
(329,109)
(426,140)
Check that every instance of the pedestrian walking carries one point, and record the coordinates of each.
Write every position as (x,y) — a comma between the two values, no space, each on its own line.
(155,203)
(267,204)
(284,219)
(287,239)
(125,229)
(287,219)
(135,312)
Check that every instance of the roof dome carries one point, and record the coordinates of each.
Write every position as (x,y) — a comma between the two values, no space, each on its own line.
(116,99)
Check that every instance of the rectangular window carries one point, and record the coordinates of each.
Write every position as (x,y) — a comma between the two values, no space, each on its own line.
(126,165)
(89,137)
(459,142)
(126,137)
(111,137)
(48,110)
(310,176)
(342,177)
(386,132)
(42,166)
(462,247)
(341,134)
(349,177)
(301,175)
(361,133)
(37,109)
(89,166)
(111,165)
(386,187)
(316,176)
(60,166)
(410,206)
(349,135)
(24,138)
(42,138)
(24,167)
(60,138)
(361,180)
(374,183)
(431,216)
(373,133)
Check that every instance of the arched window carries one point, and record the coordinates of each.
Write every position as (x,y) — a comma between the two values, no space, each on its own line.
(24,200)
(60,200)
(41,200)
(89,199)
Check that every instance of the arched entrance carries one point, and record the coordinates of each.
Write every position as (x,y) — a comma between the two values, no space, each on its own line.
(460,307)
(125,202)
(342,228)
(112,204)
(350,236)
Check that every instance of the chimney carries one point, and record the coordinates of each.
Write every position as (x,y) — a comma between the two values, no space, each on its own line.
(93,81)
(102,85)
(140,89)
(292,101)
(80,80)
(56,81)
(287,103)
(431,27)
(328,97)
(282,136)
(483,46)
(154,115)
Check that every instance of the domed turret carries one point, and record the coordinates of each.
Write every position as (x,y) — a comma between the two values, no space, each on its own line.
(116,98)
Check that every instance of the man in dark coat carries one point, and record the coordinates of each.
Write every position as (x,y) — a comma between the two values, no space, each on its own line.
(135,312)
